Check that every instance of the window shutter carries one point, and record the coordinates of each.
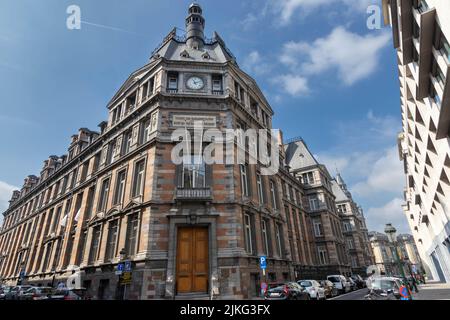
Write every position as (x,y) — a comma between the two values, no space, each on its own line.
(178,175)
(209,175)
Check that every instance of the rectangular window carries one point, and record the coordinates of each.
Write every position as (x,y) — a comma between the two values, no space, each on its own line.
(126,142)
(278,235)
(322,255)
(132,234)
(317,224)
(103,196)
(95,244)
(308,178)
(273,193)
(120,187)
(217,83)
(146,129)
(48,251)
(112,240)
(248,234)
(172,81)
(314,203)
(194,172)
(56,219)
(265,236)
(110,152)
(74,178)
(138,178)
(84,170)
(350,244)
(90,202)
(260,188)
(81,248)
(244,180)
(96,162)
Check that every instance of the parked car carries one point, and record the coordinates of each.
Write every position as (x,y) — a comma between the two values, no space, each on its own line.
(313,288)
(16,292)
(37,293)
(353,285)
(360,283)
(286,291)
(4,291)
(340,283)
(329,288)
(68,294)
(386,287)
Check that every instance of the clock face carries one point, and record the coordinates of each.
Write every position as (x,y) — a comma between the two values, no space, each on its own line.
(195,83)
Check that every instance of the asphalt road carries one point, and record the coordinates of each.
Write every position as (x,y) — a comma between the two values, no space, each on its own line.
(354,295)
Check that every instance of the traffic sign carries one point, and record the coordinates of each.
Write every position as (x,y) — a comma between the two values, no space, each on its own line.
(127,266)
(126,278)
(120,268)
(263,262)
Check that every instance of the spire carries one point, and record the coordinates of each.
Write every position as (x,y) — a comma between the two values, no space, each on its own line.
(195,27)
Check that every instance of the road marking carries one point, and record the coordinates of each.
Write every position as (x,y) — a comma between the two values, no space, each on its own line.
(346,294)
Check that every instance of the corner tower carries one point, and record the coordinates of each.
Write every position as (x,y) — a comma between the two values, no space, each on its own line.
(195,27)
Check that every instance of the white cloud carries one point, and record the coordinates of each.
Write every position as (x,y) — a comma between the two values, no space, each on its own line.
(255,64)
(355,57)
(385,175)
(390,212)
(293,84)
(5,195)
(366,155)
(286,9)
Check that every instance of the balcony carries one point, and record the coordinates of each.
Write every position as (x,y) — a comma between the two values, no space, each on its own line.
(407,20)
(193,194)
(427,21)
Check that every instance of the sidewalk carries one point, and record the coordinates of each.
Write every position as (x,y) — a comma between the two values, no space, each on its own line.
(433,291)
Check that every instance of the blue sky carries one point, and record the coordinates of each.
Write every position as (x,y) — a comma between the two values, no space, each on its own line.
(328,77)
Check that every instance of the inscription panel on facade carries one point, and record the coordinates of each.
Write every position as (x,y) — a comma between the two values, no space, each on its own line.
(182,121)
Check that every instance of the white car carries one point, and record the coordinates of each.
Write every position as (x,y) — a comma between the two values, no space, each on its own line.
(340,282)
(314,289)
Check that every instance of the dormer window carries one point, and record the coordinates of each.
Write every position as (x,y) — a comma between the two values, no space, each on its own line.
(184,54)
(206,56)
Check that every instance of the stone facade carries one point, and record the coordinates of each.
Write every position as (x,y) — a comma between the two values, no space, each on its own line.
(118,195)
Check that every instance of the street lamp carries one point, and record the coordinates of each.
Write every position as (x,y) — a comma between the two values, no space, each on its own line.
(391,233)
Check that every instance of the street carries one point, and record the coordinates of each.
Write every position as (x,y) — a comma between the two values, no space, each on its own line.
(354,295)
(430,291)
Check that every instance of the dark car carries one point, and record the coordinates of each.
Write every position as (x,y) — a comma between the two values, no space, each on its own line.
(37,293)
(15,293)
(360,283)
(4,291)
(286,291)
(329,288)
(69,294)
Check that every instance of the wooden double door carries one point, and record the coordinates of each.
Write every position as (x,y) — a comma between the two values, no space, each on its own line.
(192,260)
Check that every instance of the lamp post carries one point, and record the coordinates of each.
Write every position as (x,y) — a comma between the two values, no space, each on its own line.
(391,232)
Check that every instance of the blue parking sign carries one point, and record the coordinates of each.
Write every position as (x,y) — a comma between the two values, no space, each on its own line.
(127,266)
(263,262)
(120,267)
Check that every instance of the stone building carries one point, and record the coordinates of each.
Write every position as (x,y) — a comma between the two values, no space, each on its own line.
(354,227)
(421,33)
(384,254)
(188,228)
(330,252)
